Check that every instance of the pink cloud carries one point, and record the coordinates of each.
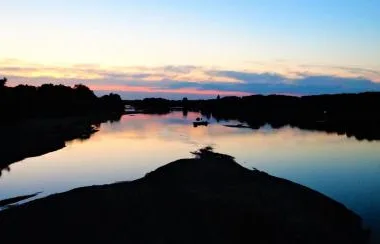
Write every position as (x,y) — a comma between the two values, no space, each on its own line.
(125,88)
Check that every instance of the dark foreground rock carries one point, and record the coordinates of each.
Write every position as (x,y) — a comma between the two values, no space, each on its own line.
(210,199)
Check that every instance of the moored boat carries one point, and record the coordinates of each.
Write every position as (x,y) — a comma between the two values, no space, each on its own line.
(199,122)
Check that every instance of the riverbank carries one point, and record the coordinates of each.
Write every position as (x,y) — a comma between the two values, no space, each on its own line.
(352,115)
(209,199)
(38,136)
(40,119)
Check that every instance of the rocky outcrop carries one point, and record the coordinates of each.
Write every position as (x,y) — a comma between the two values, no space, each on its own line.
(209,199)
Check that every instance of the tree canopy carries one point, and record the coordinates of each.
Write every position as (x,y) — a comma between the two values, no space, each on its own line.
(3,81)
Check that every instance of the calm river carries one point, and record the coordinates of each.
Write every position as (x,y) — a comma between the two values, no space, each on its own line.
(342,168)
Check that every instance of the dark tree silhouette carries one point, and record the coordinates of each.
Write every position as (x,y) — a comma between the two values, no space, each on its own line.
(3,81)
(24,101)
(84,91)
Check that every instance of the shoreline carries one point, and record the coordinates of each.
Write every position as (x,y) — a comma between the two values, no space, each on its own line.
(38,136)
(211,192)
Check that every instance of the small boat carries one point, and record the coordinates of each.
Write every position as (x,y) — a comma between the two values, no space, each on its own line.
(200,122)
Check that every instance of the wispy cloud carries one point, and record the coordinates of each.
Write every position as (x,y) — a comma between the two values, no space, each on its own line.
(189,79)
(366,73)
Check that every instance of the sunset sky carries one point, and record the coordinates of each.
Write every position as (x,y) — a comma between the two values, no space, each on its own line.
(197,48)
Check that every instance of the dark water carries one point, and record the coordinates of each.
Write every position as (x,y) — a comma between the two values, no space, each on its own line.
(343,168)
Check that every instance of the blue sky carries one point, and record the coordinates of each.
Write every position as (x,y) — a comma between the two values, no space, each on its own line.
(129,46)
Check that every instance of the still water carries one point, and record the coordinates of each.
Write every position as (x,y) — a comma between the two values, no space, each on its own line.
(342,168)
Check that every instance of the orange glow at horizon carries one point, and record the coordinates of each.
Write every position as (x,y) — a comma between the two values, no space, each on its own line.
(126,88)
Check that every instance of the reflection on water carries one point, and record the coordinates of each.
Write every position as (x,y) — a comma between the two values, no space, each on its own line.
(343,168)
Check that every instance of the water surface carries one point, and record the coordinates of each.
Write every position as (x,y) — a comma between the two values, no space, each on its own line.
(342,168)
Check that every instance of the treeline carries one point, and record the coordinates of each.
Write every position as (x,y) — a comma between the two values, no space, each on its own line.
(351,114)
(287,109)
(48,100)
(155,105)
